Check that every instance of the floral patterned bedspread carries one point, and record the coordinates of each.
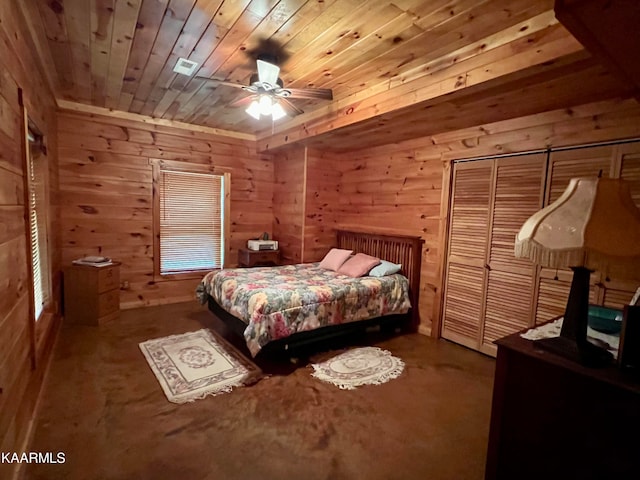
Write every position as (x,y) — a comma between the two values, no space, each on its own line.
(276,302)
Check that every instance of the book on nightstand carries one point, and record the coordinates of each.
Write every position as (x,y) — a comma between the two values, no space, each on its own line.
(93,261)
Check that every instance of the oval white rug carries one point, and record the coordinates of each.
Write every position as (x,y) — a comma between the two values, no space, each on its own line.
(360,366)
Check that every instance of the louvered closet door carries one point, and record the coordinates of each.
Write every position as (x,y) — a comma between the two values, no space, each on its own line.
(468,233)
(618,288)
(553,293)
(582,162)
(553,285)
(518,194)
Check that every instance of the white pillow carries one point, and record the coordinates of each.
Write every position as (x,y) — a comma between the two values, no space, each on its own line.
(385,268)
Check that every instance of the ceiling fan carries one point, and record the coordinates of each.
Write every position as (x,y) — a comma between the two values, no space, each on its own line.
(268,95)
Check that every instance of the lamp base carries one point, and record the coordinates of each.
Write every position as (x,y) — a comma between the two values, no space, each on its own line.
(586,353)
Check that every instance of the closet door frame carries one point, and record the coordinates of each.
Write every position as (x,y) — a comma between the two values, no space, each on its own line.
(599,281)
(473,263)
(505,161)
(478,340)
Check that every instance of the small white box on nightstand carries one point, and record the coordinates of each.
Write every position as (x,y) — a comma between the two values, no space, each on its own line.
(262,245)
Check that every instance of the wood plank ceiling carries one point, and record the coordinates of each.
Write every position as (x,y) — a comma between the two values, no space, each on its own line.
(120,54)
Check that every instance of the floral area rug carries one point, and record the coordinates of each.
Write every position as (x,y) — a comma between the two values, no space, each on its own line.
(360,366)
(193,365)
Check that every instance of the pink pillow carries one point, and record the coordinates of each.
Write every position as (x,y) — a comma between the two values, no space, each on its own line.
(358,265)
(335,258)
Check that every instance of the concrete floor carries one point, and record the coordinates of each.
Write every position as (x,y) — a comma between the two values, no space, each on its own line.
(103,407)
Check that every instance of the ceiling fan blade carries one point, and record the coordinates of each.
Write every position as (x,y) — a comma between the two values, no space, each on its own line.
(242,101)
(289,108)
(310,93)
(268,72)
(222,82)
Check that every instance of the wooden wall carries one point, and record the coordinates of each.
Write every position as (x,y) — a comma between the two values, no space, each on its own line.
(403,188)
(398,190)
(24,348)
(321,200)
(288,202)
(306,193)
(105,190)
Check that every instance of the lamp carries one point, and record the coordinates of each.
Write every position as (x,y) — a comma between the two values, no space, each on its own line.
(593,224)
(265,105)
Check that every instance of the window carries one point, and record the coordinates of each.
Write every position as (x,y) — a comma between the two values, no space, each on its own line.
(37,167)
(191,205)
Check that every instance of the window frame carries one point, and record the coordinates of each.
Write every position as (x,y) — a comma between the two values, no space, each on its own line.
(42,219)
(40,326)
(159,165)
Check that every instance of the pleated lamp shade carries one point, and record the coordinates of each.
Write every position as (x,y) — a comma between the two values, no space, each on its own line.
(593,224)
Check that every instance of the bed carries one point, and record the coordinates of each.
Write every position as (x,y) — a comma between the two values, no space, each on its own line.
(287,307)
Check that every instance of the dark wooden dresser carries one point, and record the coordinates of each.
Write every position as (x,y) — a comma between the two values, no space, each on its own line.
(552,418)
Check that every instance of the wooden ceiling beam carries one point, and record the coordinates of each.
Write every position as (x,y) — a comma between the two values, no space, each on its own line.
(518,35)
(531,55)
(531,95)
(609,30)
(67,106)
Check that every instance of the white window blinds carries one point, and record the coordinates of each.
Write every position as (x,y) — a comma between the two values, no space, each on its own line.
(191,221)
(38,225)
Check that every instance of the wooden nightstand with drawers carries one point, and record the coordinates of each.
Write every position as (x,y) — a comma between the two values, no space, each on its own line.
(254,258)
(91,294)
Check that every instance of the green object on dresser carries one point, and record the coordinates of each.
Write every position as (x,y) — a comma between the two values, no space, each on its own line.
(604,319)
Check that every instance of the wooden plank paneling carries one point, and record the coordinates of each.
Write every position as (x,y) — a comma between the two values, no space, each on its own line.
(288,204)
(149,18)
(105,194)
(102,34)
(321,204)
(79,34)
(55,25)
(124,27)
(371,197)
(20,377)
(194,32)
(378,57)
(608,30)
(496,68)
(305,203)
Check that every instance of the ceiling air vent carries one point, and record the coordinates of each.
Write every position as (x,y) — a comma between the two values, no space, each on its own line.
(185,67)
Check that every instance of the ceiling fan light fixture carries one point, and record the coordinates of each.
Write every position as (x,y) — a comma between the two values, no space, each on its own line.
(277,112)
(254,110)
(266,105)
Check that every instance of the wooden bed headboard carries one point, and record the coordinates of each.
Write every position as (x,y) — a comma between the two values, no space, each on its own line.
(403,249)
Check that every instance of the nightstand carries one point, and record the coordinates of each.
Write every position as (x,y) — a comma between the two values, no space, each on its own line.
(91,294)
(254,258)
